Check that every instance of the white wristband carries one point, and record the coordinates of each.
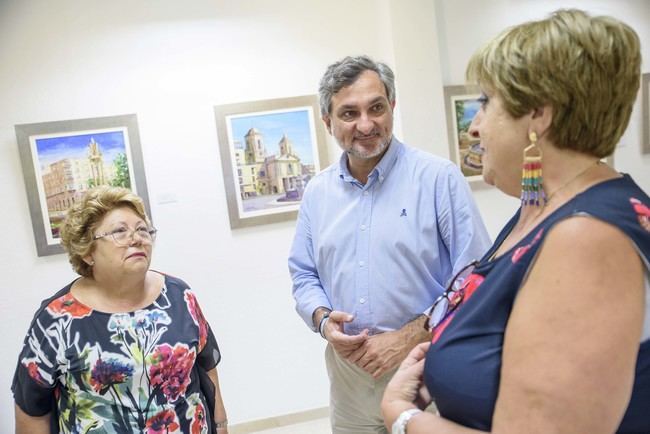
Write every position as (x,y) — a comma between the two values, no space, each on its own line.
(321,325)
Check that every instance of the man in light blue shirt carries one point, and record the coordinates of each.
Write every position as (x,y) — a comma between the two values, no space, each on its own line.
(378,236)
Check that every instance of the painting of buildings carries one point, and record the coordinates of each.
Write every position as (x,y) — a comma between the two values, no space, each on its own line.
(274,156)
(70,164)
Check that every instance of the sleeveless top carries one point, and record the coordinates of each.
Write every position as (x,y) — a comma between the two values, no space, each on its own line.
(463,365)
(114,373)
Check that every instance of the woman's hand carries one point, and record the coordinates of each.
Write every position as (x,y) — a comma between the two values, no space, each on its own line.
(406,389)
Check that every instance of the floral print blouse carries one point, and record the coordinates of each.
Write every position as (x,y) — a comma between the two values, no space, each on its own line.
(136,372)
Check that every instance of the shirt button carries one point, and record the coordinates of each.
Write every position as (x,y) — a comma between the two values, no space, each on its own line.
(365,193)
(362,300)
(363,227)
(361,263)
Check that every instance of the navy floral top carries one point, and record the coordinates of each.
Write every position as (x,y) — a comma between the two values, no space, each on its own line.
(137,372)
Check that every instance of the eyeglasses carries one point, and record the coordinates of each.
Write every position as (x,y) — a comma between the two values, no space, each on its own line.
(123,236)
(453,296)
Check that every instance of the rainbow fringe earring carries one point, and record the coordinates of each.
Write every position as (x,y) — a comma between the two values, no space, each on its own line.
(532,191)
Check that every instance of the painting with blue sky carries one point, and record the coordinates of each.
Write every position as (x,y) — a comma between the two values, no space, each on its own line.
(56,148)
(267,169)
(273,125)
(277,182)
(59,186)
(466,110)
(63,159)
(469,153)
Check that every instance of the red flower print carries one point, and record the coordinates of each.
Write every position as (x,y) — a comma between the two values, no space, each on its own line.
(68,305)
(32,370)
(170,369)
(162,423)
(197,316)
(198,422)
(521,251)
(642,212)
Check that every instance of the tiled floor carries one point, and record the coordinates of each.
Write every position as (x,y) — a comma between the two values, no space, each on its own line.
(317,426)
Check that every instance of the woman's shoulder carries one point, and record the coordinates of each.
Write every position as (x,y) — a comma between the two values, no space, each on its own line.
(59,305)
(612,192)
(620,203)
(583,231)
(58,298)
(173,282)
(176,288)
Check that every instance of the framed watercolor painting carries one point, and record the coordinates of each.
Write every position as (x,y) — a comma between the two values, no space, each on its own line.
(61,160)
(269,150)
(461,104)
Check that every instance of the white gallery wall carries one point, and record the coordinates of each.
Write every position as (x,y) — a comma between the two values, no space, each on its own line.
(463,25)
(170,62)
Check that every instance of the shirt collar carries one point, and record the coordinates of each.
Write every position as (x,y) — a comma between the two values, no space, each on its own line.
(382,168)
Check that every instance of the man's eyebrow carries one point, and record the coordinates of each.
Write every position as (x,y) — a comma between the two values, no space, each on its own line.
(354,106)
(346,107)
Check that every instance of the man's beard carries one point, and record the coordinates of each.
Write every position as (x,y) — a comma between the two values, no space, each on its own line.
(381,147)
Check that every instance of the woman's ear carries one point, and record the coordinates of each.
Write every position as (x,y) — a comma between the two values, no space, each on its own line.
(88,259)
(541,119)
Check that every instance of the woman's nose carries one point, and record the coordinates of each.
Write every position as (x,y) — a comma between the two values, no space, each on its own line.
(473,128)
(135,239)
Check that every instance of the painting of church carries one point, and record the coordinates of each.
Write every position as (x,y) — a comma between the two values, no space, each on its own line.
(270,174)
(273,156)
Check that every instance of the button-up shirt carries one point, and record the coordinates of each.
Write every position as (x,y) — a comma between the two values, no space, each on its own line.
(383,251)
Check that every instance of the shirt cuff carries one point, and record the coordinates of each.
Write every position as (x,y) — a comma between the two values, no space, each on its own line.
(308,312)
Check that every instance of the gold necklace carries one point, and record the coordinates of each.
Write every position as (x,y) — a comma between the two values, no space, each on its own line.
(582,172)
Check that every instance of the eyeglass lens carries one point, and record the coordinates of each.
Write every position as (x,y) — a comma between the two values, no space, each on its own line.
(144,234)
(439,312)
(441,307)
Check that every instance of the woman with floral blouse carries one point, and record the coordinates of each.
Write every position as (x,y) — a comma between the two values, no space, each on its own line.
(122,349)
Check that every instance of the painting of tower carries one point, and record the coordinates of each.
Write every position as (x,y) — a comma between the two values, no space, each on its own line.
(70,164)
(274,156)
(96,163)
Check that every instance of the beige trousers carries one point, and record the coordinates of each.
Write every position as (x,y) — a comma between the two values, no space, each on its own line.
(355,397)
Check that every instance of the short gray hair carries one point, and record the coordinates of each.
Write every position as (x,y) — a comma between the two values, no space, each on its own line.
(345,72)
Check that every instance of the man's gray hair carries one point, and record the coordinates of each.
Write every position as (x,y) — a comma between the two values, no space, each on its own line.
(345,72)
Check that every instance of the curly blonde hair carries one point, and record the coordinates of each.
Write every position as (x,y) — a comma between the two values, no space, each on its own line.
(586,68)
(84,216)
